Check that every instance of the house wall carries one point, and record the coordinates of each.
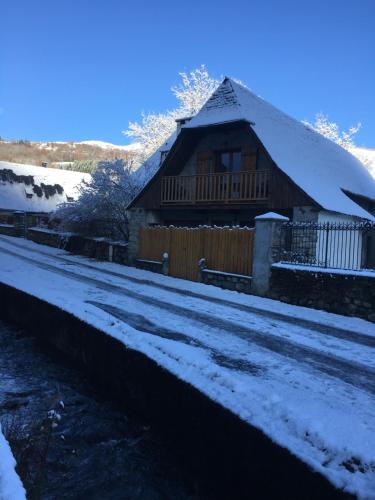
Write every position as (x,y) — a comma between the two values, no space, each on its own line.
(219,140)
(182,160)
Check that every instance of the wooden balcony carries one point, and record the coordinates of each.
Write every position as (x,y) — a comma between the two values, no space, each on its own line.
(228,187)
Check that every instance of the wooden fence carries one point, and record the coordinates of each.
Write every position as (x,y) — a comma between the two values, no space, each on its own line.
(228,250)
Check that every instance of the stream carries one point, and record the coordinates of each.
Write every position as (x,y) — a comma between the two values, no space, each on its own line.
(68,440)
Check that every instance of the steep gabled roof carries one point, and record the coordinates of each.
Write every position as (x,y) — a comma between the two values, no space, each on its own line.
(321,168)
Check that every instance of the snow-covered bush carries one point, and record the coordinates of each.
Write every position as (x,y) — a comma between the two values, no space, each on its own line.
(101,207)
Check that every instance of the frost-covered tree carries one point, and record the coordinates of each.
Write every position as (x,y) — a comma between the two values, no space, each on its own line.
(100,209)
(332,131)
(155,128)
(196,87)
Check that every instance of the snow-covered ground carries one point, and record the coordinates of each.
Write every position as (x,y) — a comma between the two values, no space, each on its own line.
(11,487)
(306,378)
(109,145)
(21,196)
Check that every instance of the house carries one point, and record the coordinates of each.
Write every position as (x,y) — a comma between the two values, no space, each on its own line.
(240,157)
(37,191)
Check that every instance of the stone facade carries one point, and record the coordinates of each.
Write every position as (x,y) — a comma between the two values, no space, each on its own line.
(347,294)
(138,217)
(267,244)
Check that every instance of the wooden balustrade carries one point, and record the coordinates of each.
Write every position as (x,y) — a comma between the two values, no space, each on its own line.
(228,187)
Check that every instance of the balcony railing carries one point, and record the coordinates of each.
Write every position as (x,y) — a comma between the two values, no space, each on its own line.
(229,187)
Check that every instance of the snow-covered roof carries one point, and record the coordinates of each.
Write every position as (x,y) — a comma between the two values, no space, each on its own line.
(317,165)
(20,195)
(150,167)
(366,156)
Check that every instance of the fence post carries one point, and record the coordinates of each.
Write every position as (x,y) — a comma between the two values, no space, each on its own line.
(165,264)
(266,249)
(326,249)
(19,219)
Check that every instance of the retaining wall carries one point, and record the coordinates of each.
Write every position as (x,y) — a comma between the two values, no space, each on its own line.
(97,248)
(225,456)
(351,294)
(8,230)
(226,280)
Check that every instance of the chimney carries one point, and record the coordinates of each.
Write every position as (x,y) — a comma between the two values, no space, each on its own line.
(181,122)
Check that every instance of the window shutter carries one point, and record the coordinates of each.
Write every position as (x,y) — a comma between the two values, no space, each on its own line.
(248,159)
(205,162)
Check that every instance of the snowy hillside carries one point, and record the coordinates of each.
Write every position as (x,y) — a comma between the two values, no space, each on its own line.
(37,189)
(108,145)
(57,153)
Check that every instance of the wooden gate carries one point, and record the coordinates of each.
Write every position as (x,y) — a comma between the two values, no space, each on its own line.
(228,250)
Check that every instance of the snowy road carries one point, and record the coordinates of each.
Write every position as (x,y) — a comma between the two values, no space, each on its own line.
(306,378)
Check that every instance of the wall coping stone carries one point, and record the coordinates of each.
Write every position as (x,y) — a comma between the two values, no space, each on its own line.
(272,216)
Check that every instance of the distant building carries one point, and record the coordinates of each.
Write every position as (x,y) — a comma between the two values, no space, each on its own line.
(35,190)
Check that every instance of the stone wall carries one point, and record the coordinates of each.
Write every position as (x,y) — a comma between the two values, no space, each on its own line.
(225,280)
(96,248)
(8,230)
(45,237)
(150,265)
(350,294)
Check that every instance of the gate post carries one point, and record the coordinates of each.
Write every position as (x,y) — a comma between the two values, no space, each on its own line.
(266,249)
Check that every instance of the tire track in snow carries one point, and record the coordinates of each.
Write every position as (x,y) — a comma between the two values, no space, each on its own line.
(352,373)
(333,331)
(143,324)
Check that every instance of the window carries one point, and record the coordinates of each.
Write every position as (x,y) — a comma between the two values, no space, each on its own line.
(228,161)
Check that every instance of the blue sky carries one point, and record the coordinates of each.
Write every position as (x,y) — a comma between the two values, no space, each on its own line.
(76,70)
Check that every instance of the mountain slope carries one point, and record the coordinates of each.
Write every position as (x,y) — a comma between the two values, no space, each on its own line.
(36,153)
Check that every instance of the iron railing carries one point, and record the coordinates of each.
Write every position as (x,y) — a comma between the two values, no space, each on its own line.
(330,245)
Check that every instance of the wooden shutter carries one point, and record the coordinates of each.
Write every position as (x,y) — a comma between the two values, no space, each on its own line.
(205,162)
(248,159)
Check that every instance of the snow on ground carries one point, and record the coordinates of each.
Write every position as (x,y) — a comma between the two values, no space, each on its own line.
(13,196)
(11,487)
(306,378)
(108,145)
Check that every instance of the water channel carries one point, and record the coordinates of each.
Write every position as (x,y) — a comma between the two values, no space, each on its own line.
(69,441)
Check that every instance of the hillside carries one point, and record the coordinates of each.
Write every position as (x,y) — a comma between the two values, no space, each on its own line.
(62,154)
